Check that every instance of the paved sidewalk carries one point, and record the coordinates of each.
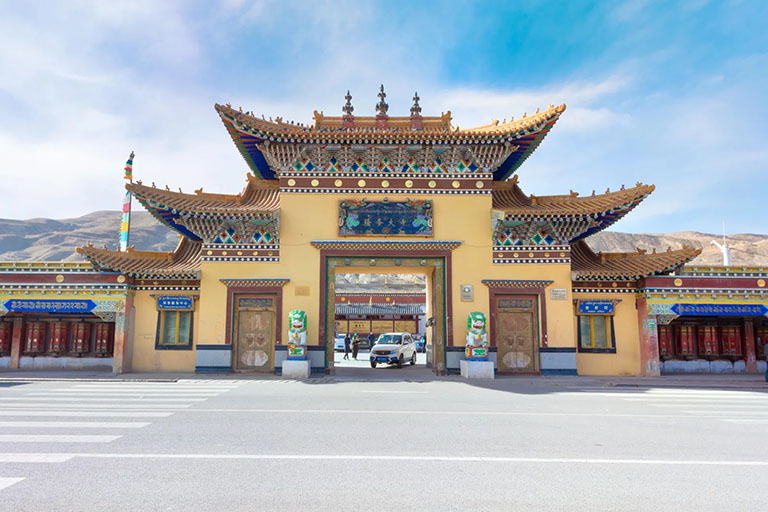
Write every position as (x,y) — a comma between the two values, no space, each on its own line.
(416,373)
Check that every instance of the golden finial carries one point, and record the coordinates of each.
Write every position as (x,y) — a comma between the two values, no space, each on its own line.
(138,182)
(608,190)
(199,191)
(622,186)
(537,110)
(166,188)
(153,185)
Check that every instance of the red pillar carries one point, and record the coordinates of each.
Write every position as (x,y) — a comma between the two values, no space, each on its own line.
(649,340)
(749,347)
(18,327)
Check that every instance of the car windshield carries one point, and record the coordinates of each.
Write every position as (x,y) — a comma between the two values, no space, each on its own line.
(389,339)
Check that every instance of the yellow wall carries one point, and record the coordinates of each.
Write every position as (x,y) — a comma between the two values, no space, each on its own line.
(626,360)
(307,217)
(145,357)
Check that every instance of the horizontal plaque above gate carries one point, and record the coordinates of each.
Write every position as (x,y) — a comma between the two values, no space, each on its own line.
(390,218)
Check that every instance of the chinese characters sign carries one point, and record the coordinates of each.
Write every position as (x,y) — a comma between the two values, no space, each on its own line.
(385,218)
(595,307)
(175,302)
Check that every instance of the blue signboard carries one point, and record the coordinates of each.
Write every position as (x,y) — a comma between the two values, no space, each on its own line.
(385,218)
(50,306)
(595,307)
(720,309)
(174,302)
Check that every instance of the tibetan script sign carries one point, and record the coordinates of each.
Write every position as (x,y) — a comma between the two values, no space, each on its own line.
(595,307)
(50,306)
(720,309)
(407,218)
(175,302)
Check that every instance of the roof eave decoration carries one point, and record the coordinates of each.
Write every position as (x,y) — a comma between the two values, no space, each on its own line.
(519,138)
(516,159)
(182,263)
(566,218)
(197,216)
(588,266)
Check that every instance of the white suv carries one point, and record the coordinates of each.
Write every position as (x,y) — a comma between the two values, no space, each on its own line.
(394,348)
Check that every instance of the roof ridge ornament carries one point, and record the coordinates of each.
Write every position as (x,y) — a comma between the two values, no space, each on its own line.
(381,106)
(415,109)
(348,108)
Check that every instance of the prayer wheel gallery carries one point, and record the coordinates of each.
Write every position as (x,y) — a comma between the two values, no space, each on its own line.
(510,285)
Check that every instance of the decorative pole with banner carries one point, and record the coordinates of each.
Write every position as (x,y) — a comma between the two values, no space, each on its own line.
(125,224)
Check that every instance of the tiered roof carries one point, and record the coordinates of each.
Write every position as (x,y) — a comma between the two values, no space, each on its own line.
(571,217)
(590,266)
(182,263)
(258,200)
(519,137)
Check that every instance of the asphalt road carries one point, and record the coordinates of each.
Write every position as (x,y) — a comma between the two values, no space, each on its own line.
(350,443)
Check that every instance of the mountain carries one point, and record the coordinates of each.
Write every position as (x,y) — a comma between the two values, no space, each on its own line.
(55,240)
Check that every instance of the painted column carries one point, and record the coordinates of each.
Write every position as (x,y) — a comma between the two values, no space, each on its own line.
(649,340)
(18,324)
(121,362)
(749,346)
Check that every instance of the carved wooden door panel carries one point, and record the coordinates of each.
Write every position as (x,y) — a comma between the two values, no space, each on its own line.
(255,334)
(516,335)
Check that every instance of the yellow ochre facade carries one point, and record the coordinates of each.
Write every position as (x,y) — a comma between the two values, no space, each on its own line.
(399,195)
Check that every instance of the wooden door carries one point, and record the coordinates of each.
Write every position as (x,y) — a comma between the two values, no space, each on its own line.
(516,335)
(255,334)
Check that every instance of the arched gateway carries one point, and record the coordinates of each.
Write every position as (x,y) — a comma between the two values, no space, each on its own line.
(388,194)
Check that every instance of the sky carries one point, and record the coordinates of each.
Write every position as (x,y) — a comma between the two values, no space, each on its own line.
(671,93)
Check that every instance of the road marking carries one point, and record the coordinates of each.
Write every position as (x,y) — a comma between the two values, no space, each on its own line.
(92,406)
(438,413)
(118,385)
(95,399)
(713,406)
(728,412)
(745,420)
(412,458)
(35,457)
(74,424)
(87,414)
(55,438)
(697,399)
(9,481)
(77,394)
(399,392)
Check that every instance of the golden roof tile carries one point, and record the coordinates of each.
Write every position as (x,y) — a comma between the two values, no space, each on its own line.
(588,265)
(183,262)
(258,196)
(509,198)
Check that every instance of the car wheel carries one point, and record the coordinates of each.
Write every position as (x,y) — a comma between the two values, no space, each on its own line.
(413,358)
(373,364)
(400,361)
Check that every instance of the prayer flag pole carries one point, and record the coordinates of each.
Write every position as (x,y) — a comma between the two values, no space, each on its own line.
(125,224)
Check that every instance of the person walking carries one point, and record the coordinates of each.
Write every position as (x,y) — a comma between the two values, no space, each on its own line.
(355,345)
(347,341)
(371,340)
